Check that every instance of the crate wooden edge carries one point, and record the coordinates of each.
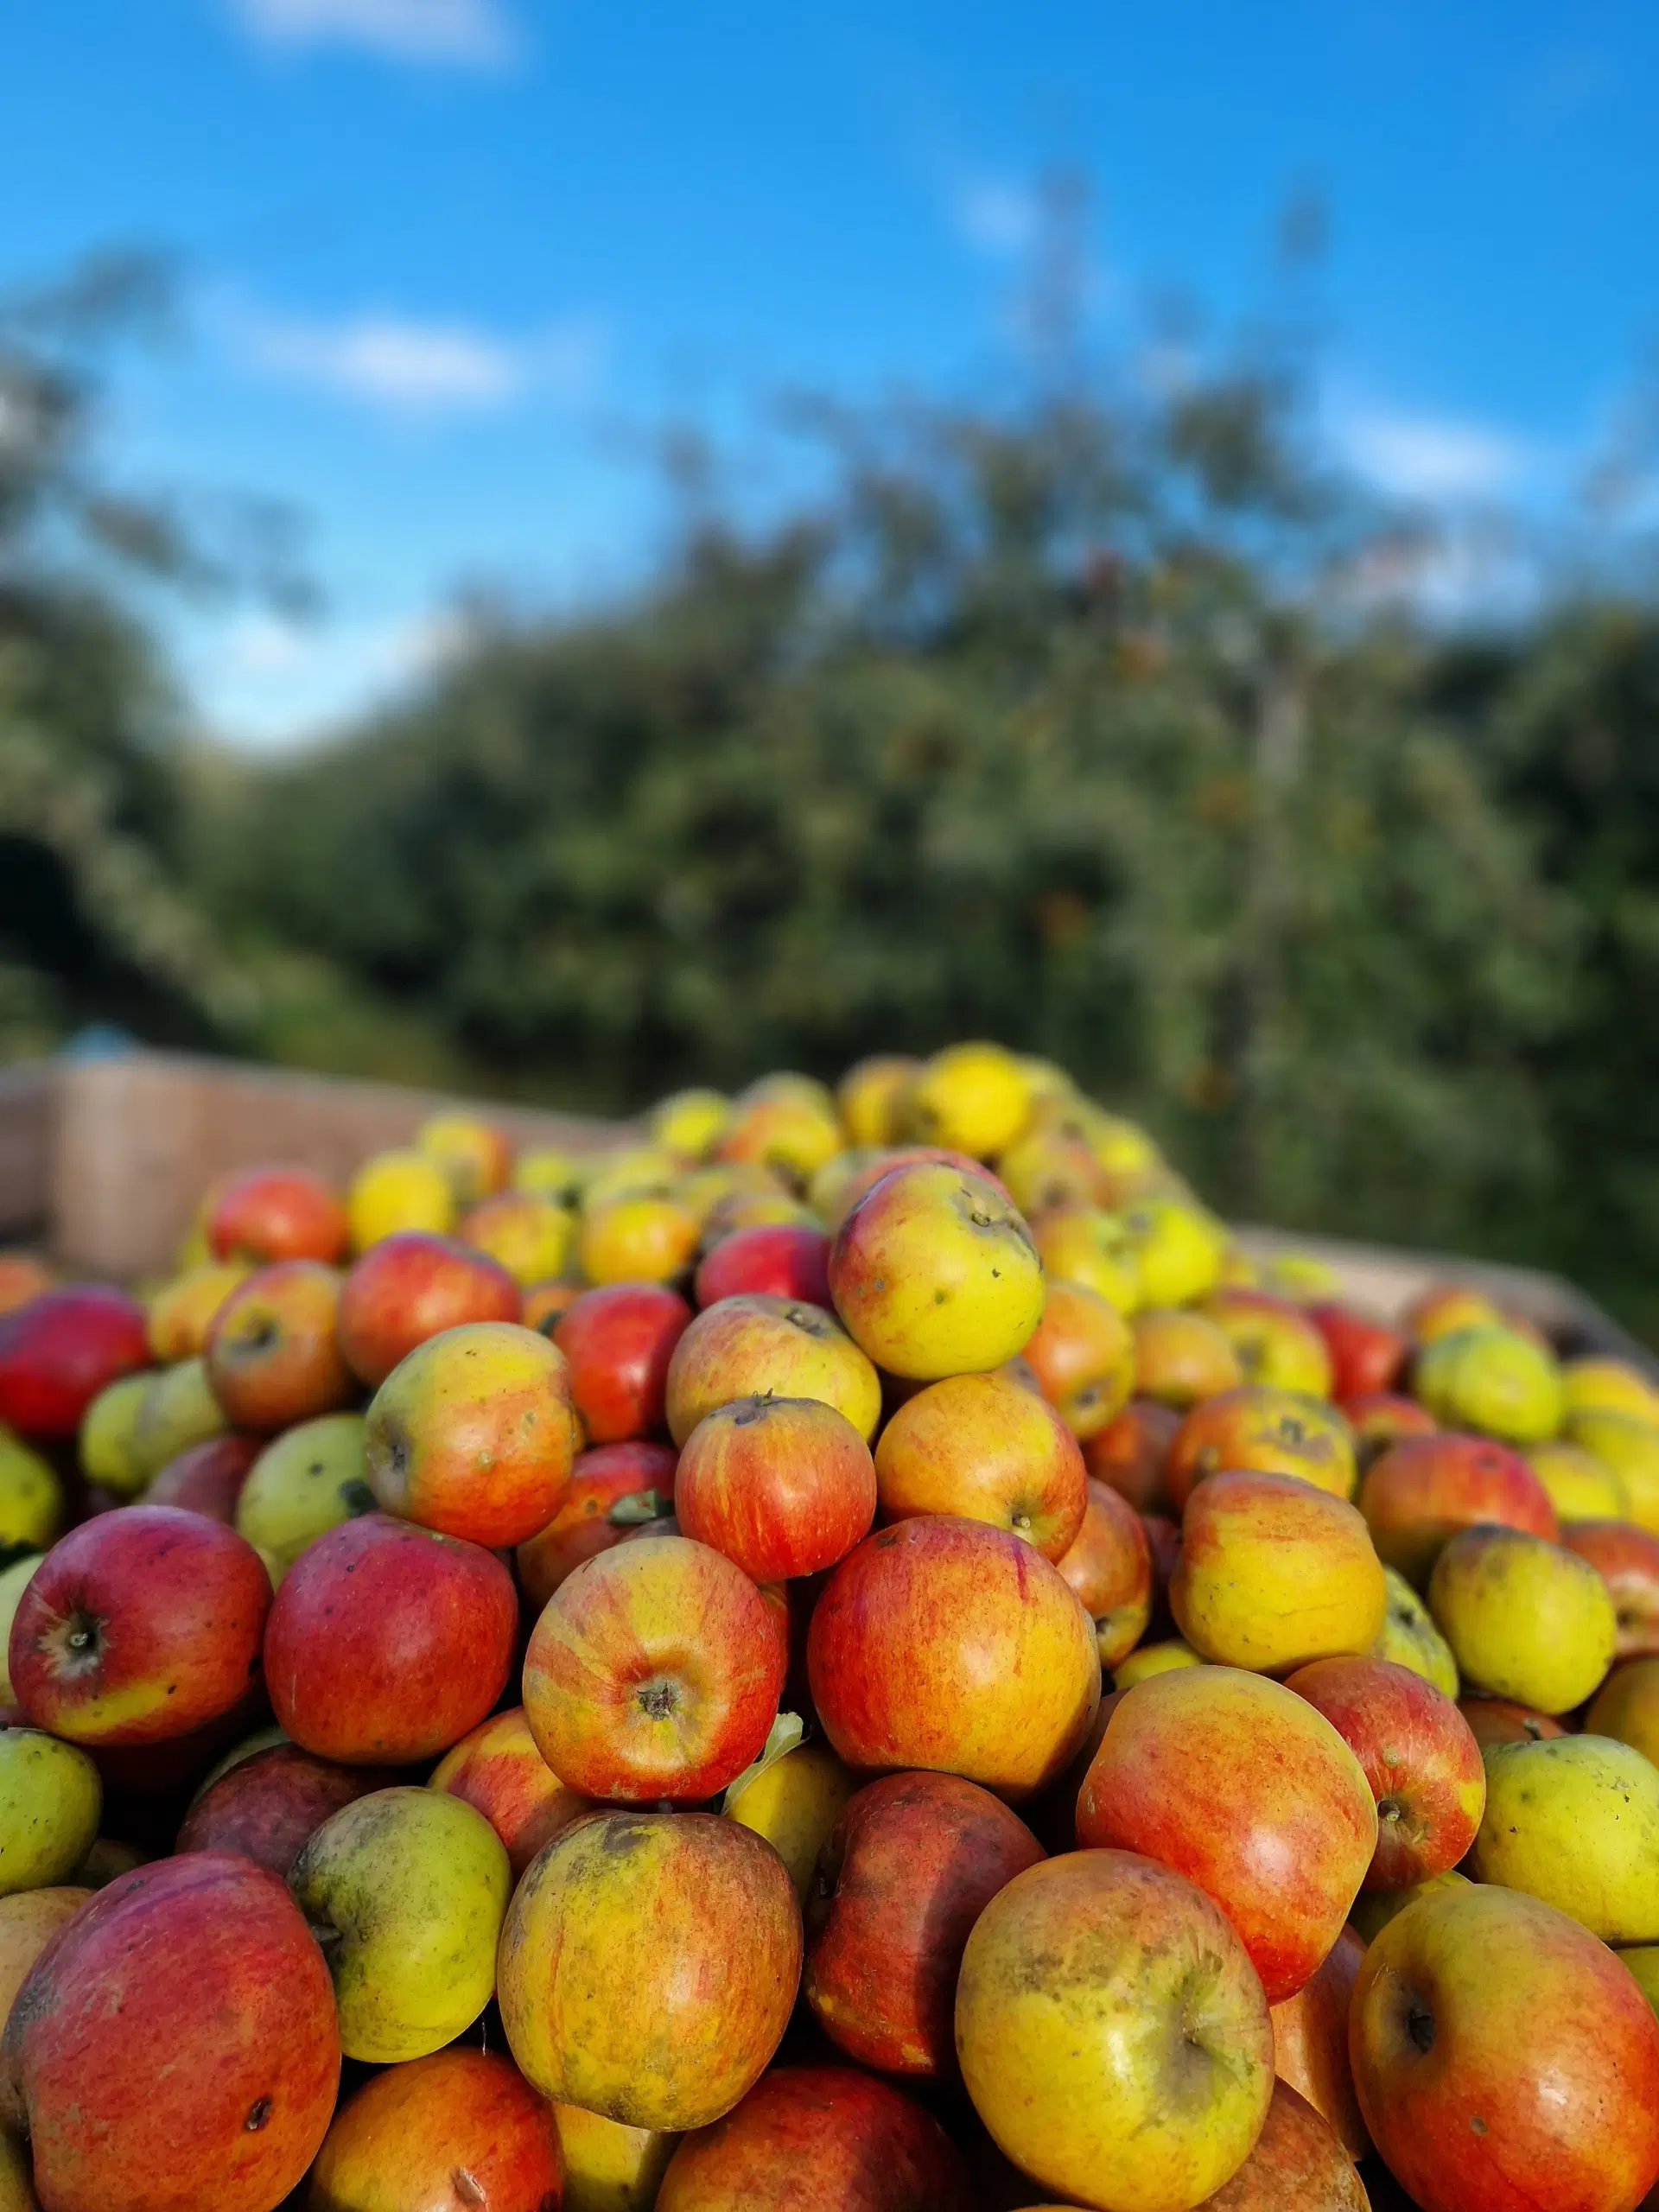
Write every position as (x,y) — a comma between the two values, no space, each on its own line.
(105,1159)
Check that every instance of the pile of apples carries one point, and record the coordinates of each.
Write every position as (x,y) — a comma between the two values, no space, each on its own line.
(855,1654)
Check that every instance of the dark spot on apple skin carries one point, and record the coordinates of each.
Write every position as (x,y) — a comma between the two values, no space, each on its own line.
(258,2114)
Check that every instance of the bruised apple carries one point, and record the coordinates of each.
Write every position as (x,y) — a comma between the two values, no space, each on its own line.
(950,1645)
(212,2080)
(695,1918)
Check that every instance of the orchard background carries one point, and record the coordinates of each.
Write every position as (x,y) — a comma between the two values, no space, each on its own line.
(1096,712)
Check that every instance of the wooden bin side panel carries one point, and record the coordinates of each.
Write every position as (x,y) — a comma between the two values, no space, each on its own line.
(27,1102)
(140,1137)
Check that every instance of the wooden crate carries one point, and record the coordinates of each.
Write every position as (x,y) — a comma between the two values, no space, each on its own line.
(103,1161)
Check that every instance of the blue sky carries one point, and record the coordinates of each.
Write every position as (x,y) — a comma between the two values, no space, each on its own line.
(446,257)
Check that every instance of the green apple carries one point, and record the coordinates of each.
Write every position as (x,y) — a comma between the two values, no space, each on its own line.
(1574,1820)
(304,1483)
(50,1799)
(406,1891)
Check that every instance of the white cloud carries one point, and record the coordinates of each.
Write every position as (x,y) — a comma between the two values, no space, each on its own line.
(996,215)
(420,369)
(263,681)
(1432,458)
(465,34)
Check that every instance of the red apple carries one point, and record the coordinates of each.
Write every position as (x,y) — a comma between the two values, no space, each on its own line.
(409,1286)
(950,1645)
(636,1475)
(1109,1567)
(912,1862)
(139,1626)
(498,1771)
(818,2135)
(1627,1559)
(784,1486)
(272,1357)
(1379,1418)
(619,1340)
(267,1808)
(208,1478)
(1418,1494)
(1423,1764)
(1243,1787)
(1130,1454)
(1366,1354)
(654,1672)
(1083,1357)
(1505,2060)
(472,1434)
(1298,2162)
(1310,2042)
(1500,1720)
(175,2045)
(59,1351)
(276,1213)
(460,2127)
(387,1643)
(786,1259)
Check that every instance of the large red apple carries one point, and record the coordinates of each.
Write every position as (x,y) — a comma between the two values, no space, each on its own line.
(1366,1354)
(175,2045)
(913,1861)
(619,1340)
(409,1286)
(138,1627)
(1423,1764)
(272,1355)
(1246,1789)
(276,1213)
(208,1477)
(1627,1559)
(953,1646)
(654,1672)
(637,1478)
(818,2135)
(1504,2059)
(461,2127)
(59,1351)
(1418,1494)
(498,1771)
(787,1259)
(387,1643)
(784,1486)
(268,1807)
